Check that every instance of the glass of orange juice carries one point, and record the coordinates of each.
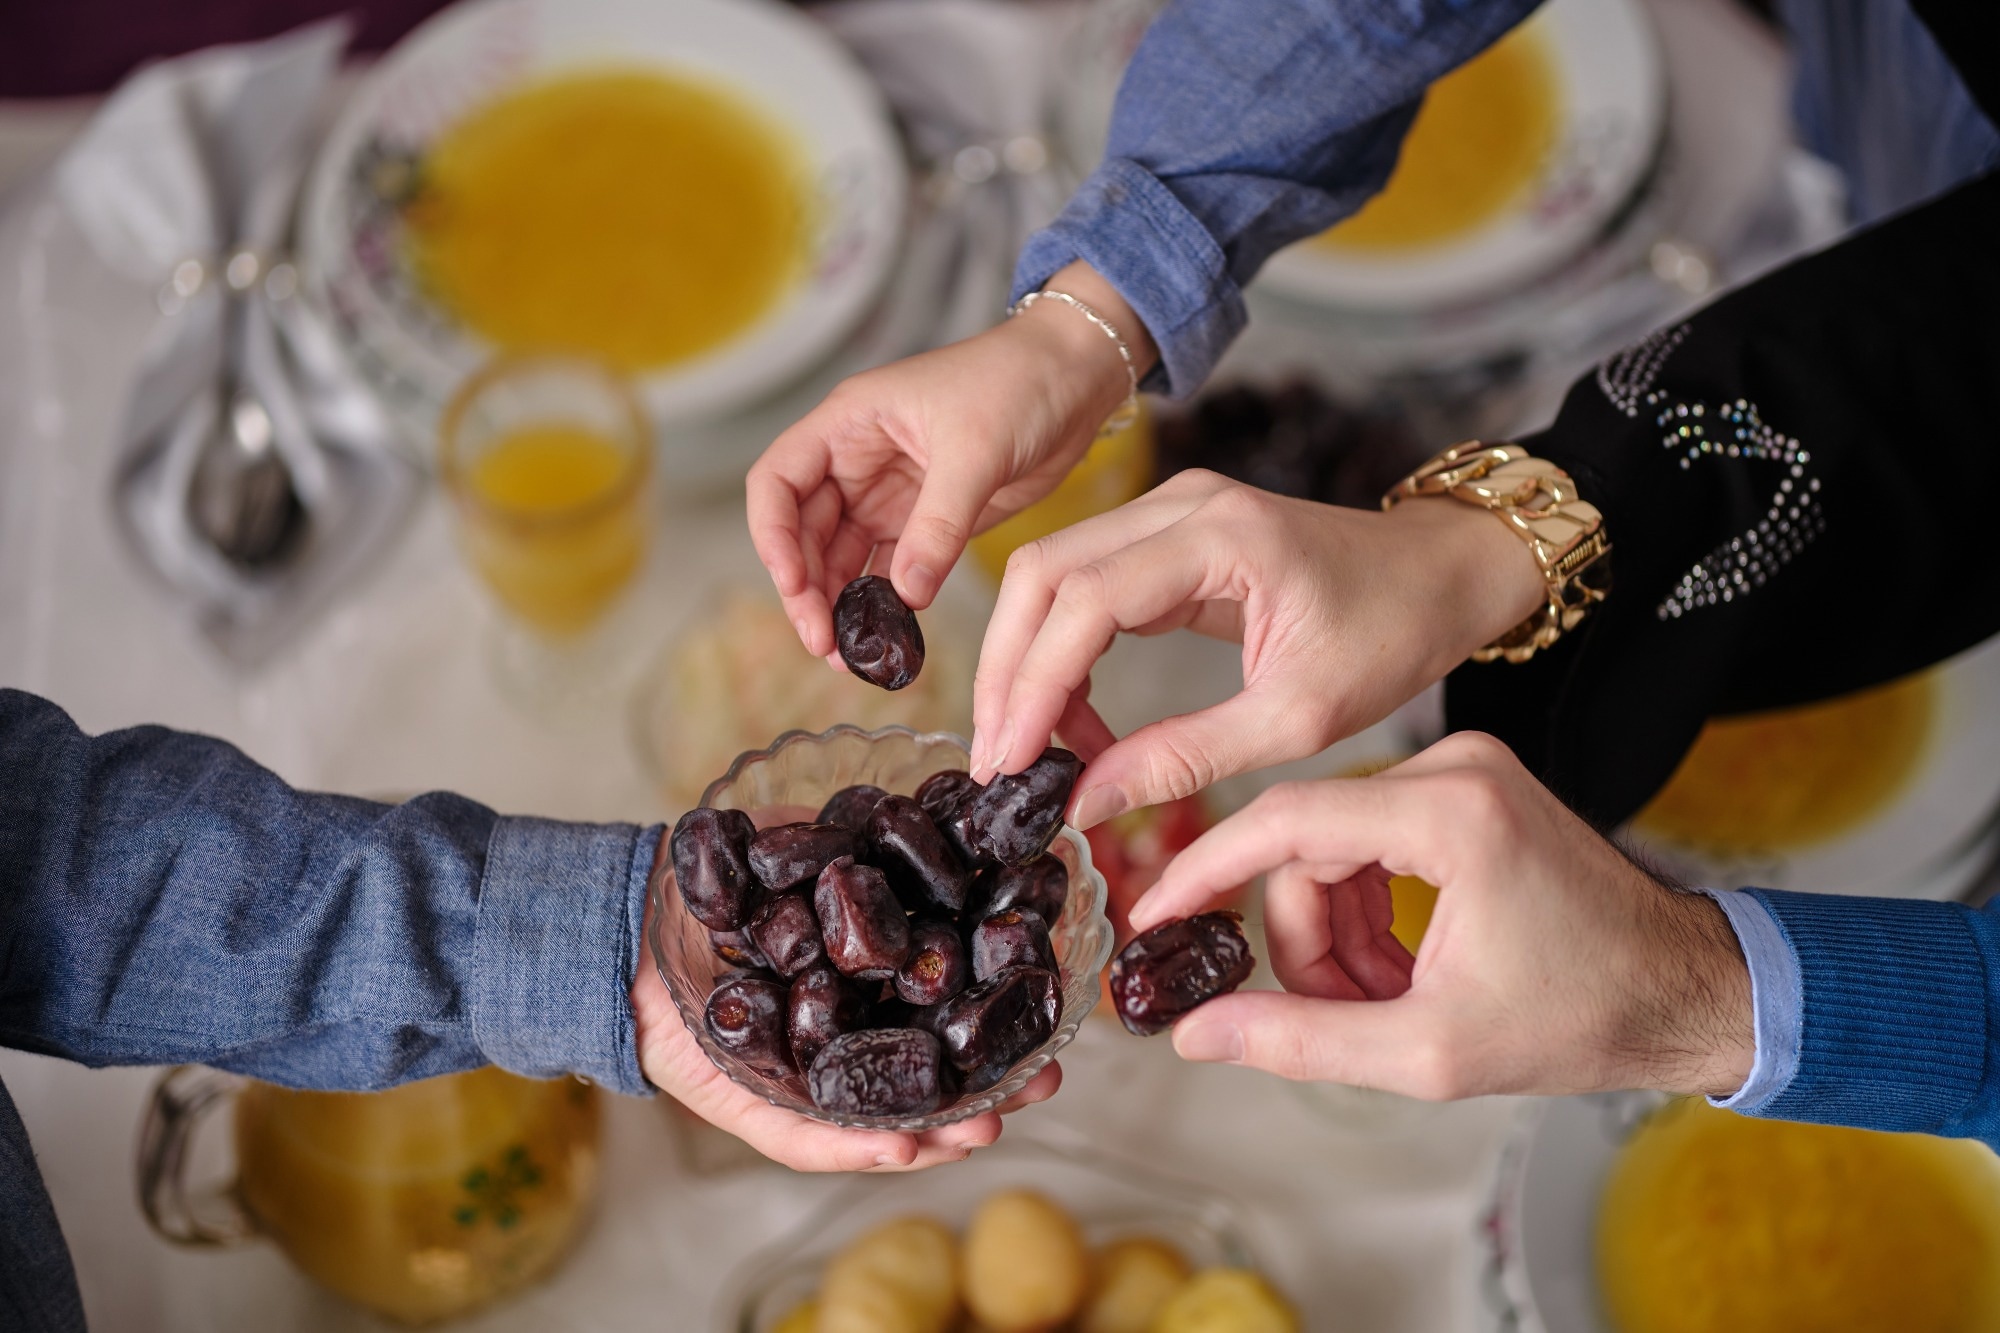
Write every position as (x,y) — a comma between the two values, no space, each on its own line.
(547,462)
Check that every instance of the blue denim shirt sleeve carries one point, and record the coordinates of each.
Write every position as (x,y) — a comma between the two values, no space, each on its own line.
(1775,998)
(164,899)
(1240,127)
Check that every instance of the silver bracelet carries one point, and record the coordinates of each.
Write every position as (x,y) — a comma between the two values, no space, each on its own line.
(1128,411)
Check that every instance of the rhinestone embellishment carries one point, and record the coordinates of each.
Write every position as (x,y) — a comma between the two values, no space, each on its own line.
(1625,378)
(1741,565)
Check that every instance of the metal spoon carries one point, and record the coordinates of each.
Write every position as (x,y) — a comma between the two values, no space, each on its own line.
(241,497)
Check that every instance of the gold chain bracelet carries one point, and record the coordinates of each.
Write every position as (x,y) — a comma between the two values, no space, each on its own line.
(1537,501)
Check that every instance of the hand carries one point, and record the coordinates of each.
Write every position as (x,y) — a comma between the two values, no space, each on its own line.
(916,457)
(1552,964)
(1343,615)
(677,1066)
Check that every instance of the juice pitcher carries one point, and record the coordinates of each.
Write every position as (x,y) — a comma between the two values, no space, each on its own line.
(420,1203)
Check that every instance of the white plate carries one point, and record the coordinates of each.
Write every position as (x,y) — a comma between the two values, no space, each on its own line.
(1613,99)
(1538,1239)
(1932,838)
(779,60)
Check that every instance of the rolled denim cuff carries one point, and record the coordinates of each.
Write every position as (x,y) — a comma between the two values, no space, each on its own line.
(1894,1015)
(1776,1001)
(558,941)
(1130,228)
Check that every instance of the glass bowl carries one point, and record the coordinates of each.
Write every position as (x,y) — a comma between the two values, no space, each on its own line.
(1109,1198)
(790,781)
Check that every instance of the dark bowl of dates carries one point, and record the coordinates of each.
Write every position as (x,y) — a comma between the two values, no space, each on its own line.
(880,981)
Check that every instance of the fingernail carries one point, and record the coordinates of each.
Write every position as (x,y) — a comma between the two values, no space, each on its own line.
(1001,748)
(1210,1043)
(1097,805)
(887,1160)
(920,582)
(977,759)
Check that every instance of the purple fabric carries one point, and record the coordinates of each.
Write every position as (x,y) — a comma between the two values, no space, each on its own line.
(65,48)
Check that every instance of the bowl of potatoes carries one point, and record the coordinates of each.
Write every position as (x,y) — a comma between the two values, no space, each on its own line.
(1024,1237)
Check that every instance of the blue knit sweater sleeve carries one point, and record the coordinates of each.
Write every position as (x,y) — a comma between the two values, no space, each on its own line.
(1895,1001)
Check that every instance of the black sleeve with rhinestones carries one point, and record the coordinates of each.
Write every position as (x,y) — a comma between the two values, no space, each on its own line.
(1798,488)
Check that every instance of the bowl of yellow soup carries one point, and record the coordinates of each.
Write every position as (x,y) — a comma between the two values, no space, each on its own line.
(1632,1213)
(702,195)
(1890,791)
(1518,161)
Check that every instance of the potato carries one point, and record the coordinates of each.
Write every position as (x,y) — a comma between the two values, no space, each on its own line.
(1131,1280)
(1026,1269)
(1226,1300)
(804,1318)
(901,1276)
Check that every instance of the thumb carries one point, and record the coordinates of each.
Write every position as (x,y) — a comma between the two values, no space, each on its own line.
(1367,1043)
(956,487)
(1175,757)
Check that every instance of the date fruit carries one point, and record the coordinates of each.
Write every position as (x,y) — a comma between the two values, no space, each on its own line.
(747,1016)
(883,1071)
(1014,818)
(1000,1020)
(736,948)
(946,797)
(877,634)
(1170,969)
(849,806)
(795,853)
(1010,939)
(1040,886)
(944,792)
(786,931)
(936,969)
(867,935)
(822,1005)
(921,864)
(711,852)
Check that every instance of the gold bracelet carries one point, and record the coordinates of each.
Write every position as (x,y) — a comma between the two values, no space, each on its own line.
(1128,411)
(1538,501)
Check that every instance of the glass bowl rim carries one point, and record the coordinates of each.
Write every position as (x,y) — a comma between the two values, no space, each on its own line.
(1099,938)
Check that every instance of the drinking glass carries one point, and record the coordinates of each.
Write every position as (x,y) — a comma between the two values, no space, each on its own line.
(547,461)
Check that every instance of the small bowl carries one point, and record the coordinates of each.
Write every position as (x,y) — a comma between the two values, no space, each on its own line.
(1109,1198)
(790,781)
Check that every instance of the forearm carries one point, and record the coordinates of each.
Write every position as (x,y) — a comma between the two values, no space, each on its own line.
(1238,129)
(166,899)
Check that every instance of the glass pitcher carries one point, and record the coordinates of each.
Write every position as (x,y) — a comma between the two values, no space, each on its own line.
(420,1203)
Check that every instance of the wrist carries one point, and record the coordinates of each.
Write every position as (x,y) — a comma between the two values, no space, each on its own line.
(1701,1039)
(1077,352)
(1483,577)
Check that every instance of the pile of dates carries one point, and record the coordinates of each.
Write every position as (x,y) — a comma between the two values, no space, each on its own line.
(894,952)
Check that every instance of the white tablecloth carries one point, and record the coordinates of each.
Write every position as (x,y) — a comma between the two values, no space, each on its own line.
(392,692)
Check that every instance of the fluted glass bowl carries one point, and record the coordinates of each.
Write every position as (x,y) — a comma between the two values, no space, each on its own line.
(790,781)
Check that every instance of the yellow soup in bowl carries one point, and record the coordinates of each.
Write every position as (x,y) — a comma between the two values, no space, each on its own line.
(1712,1222)
(1768,782)
(633,216)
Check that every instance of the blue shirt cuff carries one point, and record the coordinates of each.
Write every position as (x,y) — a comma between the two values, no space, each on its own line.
(558,941)
(1777,999)
(1893,1025)
(1133,230)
